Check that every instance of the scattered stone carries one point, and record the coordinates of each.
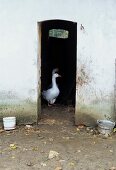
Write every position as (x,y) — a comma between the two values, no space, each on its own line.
(29,164)
(112,168)
(53,154)
(40,137)
(88,129)
(67,137)
(1,130)
(105,136)
(43,164)
(28,127)
(78,129)
(81,126)
(111,151)
(51,139)
(13,157)
(61,160)
(79,151)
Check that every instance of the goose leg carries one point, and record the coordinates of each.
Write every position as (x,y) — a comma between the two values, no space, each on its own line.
(52,102)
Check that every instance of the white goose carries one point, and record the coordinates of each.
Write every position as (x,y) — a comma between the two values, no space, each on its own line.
(52,93)
(55,70)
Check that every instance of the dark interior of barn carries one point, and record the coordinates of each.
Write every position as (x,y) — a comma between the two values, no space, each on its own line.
(59,53)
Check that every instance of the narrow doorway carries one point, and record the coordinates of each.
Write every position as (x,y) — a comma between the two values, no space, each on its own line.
(58,39)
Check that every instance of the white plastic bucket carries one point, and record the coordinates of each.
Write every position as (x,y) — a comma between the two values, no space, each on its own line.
(9,123)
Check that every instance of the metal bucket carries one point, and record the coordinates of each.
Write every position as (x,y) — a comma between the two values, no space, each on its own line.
(105,127)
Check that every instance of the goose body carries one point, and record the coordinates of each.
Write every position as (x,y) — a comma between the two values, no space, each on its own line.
(52,93)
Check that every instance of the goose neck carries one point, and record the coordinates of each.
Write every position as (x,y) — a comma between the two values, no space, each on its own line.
(54,81)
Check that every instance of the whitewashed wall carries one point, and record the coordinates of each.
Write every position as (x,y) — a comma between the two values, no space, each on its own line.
(96,49)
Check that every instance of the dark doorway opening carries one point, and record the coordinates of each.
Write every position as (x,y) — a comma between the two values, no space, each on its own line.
(59,52)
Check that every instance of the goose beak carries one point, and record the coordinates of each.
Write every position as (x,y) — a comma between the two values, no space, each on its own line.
(59,75)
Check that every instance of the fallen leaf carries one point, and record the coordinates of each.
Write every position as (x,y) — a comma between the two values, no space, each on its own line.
(81,126)
(71,164)
(114,130)
(35,148)
(53,154)
(1,152)
(58,168)
(13,146)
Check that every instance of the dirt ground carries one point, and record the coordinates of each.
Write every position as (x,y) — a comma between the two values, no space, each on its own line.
(56,144)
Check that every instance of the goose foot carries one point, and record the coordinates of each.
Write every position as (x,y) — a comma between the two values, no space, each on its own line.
(49,104)
(53,104)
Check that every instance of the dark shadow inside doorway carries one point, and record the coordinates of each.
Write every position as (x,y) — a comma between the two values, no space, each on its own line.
(59,53)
